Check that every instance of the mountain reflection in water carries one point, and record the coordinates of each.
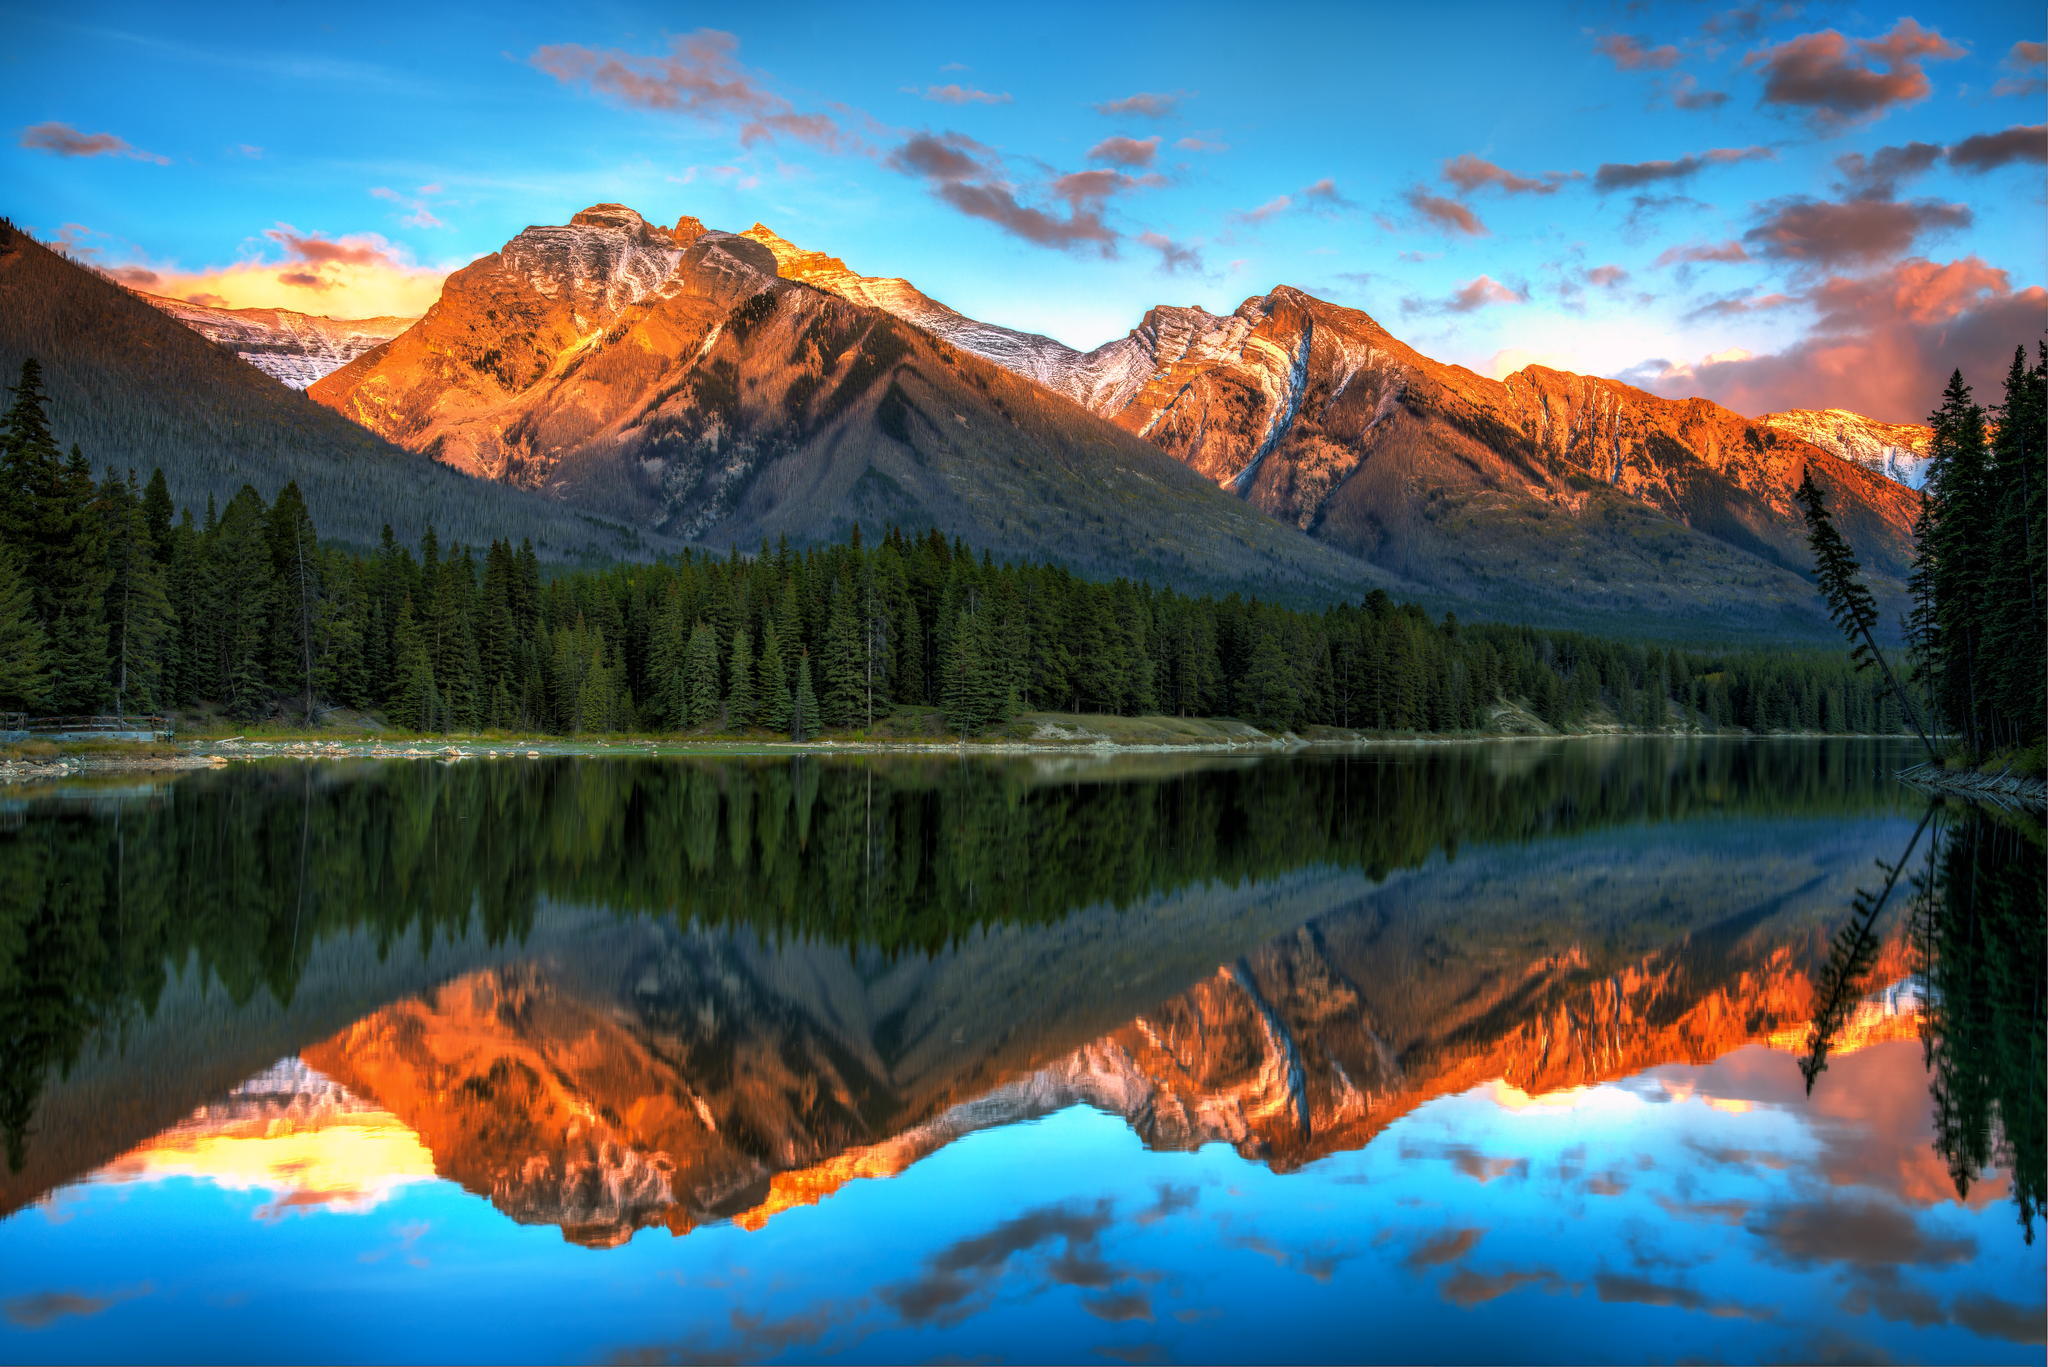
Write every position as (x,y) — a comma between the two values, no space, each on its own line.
(1333,1057)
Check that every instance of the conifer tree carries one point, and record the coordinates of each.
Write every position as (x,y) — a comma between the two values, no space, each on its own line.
(803,710)
(669,685)
(138,608)
(843,663)
(739,692)
(295,597)
(773,694)
(239,599)
(971,692)
(23,668)
(1849,603)
(700,667)
(415,703)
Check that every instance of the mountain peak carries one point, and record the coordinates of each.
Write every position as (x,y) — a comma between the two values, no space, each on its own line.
(608,216)
(793,262)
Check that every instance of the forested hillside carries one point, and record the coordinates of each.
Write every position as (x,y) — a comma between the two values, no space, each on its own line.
(110,599)
(134,388)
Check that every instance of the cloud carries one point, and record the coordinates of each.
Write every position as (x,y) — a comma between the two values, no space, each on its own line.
(1470,173)
(1879,1290)
(1175,258)
(1468,1288)
(1826,233)
(1619,1288)
(1615,175)
(1446,214)
(1321,197)
(1119,1307)
(1995,1318)
(1988,151)
(354,275)
(1879,174)
(420,212)
(2028,60)
(62,140)
(1857,1231)
(1882,343)
(1201,145)
(1324,195)
(955,93)
(1607,277)
(1123,151)
(1743,21)
(1835,80)
(1691,253)
(699,76)
(44,1308)
(1684,92)
(1086,187)
(1446,1247)
(1272,208)
(1740,305)
(1146,104)
(1632,54)
(966,175)
(955,1276)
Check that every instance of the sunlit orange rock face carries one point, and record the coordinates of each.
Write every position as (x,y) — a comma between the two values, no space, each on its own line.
(1316,414)
(674,378)
(727,386)
(567,1106)
(1896,450)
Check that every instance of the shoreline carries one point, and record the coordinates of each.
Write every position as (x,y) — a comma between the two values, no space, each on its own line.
(2003,790)
(210,754)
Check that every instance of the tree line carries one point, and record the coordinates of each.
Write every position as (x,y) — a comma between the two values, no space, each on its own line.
(240,875)
(110,598)
(1977,633)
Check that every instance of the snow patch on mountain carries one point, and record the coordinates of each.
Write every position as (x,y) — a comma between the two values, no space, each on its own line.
(1895,450)
(296,348)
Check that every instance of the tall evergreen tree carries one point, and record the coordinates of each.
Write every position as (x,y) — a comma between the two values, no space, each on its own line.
(773,700)
(700,667)
(24,672)
(739,673)
(803,710)
(138,618)
(1849,602)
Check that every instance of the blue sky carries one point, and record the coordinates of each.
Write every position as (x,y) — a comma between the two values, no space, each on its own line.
(341,160)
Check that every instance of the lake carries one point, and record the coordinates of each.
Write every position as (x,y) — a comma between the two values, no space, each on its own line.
(1483,1052)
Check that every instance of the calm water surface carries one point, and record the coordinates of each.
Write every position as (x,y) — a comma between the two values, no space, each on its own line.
(1485,1053)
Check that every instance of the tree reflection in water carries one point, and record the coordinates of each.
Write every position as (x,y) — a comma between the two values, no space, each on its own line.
(1978,927)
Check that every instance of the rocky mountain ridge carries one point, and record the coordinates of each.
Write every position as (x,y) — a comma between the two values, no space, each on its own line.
(1896,450)
(296,348)
(727,386)
(672,375)
(1316,414)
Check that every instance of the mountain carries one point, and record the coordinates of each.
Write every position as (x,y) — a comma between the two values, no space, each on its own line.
(1896,450)
(297,348)
(672,377)
(658,1077)
(135,388)
(1545,495)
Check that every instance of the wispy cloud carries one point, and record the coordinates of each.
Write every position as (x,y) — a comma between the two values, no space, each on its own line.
(62,140)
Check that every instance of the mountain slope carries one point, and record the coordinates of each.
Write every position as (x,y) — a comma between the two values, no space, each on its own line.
(296,348)
(672,377)
(1546,494)
(133,387)
(1896,450)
